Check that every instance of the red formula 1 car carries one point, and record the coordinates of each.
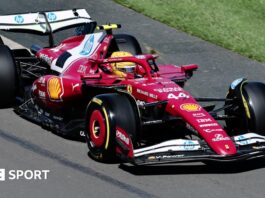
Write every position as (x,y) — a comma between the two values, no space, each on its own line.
(100,86)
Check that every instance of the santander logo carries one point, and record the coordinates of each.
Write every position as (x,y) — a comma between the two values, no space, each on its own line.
(220,137)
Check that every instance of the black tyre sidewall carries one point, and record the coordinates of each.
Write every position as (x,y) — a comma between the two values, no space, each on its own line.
(254,93)
(119,113)
(8,76)
(99,153)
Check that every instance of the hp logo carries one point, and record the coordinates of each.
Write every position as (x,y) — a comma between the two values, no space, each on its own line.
(51,16)
(19,19)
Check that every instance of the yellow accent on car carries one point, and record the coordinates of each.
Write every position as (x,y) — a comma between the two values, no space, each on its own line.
(108,27)
(245,101)
(107,125)
(190,107)
(119,67)
(54,88)
(122,54)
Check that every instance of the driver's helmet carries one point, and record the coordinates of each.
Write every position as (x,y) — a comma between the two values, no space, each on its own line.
(121,69)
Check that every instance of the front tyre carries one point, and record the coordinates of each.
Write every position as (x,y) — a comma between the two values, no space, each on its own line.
(105,113)
(248,107)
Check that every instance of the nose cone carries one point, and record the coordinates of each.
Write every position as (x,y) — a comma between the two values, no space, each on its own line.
(224,148)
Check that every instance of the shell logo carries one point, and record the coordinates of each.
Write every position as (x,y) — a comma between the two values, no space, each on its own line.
(55,89)
(190,107)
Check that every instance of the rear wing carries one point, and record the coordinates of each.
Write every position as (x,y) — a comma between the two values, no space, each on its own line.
(48,22)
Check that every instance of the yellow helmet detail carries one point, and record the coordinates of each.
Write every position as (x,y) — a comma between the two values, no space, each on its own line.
(121,68)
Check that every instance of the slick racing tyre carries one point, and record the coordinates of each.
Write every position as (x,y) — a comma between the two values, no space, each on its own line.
(248,107)
(8,77)
(104,114)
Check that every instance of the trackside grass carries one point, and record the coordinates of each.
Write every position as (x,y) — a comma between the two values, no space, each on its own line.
(238,25)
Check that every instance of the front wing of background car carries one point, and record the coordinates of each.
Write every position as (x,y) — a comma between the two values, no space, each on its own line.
(249,146)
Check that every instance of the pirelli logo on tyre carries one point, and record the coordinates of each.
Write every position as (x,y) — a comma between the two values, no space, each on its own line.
(190,107)
(55,88)
(98,101)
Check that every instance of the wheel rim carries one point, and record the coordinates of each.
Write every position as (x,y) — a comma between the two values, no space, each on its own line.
(97,129)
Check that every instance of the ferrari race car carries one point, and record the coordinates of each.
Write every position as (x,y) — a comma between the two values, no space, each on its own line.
(99,86)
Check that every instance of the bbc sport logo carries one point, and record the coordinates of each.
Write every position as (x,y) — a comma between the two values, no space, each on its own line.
(2,174)
(23,174)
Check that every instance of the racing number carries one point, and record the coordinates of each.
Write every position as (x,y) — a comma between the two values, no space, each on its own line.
(178,96)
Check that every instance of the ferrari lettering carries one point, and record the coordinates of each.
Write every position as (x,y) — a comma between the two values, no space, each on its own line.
(220,137)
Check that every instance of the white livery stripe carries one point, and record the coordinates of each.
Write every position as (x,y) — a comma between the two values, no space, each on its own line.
(249,138)
(86,48)
(171,145)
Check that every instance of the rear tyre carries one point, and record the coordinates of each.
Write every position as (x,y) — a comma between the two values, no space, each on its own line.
(1,41)
(104,113)
(8,77)
(248,107)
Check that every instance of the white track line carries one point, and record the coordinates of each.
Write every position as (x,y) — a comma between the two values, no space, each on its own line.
(11,44)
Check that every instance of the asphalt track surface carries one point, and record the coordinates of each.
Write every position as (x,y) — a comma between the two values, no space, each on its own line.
(24,145)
